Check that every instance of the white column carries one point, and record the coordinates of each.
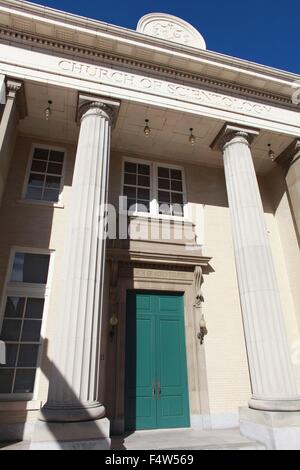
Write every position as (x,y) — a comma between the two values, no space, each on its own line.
(14,109)
(271,372)
(74,384)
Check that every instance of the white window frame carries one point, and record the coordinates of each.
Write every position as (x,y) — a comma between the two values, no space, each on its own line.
(15,289)
(49,147)
(154,208)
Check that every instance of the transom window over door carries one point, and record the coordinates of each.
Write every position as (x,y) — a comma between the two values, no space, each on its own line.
(44,181)
(154,188)
(21,321)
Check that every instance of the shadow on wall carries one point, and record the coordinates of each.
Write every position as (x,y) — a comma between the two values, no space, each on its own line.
(60,430)
(57,432)
(276,187)
(29,225)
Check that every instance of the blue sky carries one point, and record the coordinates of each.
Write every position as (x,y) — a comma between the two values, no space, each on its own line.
(263,31)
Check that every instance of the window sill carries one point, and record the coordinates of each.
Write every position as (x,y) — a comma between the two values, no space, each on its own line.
(33,202)
(16,404)
(160,217)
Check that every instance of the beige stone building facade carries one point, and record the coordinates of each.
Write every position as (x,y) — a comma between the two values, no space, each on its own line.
(203,150)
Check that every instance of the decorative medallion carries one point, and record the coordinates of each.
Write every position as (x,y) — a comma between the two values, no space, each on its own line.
(170,28)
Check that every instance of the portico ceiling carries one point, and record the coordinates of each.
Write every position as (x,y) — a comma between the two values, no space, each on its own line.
(169,129)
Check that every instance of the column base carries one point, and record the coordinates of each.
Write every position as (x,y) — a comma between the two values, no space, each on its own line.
(276,430)
(275,405)
(88,435)
(66,413)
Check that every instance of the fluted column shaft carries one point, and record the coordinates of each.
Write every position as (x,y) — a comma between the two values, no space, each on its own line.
(74,386)
(271,372)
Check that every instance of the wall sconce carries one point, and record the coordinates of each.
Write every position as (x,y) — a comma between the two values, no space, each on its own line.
(203,330)
(271,153)
(192,138)
(113,321)
(147,130)
(48,111)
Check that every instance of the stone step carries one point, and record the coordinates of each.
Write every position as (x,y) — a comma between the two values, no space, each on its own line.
(185,439)
(237,446)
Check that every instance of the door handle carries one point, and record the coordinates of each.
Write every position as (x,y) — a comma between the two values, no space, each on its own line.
(158,389)
(153,389)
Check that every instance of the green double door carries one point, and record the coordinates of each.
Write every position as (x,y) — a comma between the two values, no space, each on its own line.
(156,391)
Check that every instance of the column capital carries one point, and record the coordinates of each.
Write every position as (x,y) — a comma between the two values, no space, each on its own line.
(15,91)
(232,131)
(89,105)
(290,154)
(13,86)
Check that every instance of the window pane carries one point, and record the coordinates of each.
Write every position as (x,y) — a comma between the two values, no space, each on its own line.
(31,330)
(177,198)
(28,355)
(24,382)
(130,178)
(163,183)
(144,169)
(176,175)
(36,180)
(130,167)
(143,194)
(40,167)
(163,172)
(41,154)
(14,307)
(130,192)
(11,355)
(51,195)
(53,182)
(144,181)
(17,271)
(131,205)
(163,196)
(165,209)
(143,206)
(55,168)
(34,193)
(6,378)
(177,210)
(56,156)
(11,330)
(32,268)
(34,308)
(176,185)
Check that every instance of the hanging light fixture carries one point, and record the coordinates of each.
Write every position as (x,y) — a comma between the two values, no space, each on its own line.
(48,111)
(147,130)
(192,138)
(271,153)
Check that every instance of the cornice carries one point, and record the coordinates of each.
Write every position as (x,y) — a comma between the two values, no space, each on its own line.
(157,258)
(72,22)
(111,58)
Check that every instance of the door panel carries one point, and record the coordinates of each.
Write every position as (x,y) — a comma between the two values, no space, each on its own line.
(140,405)
(172,410)
(155,356)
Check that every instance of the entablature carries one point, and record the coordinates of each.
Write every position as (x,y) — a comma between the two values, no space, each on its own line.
(54,30)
